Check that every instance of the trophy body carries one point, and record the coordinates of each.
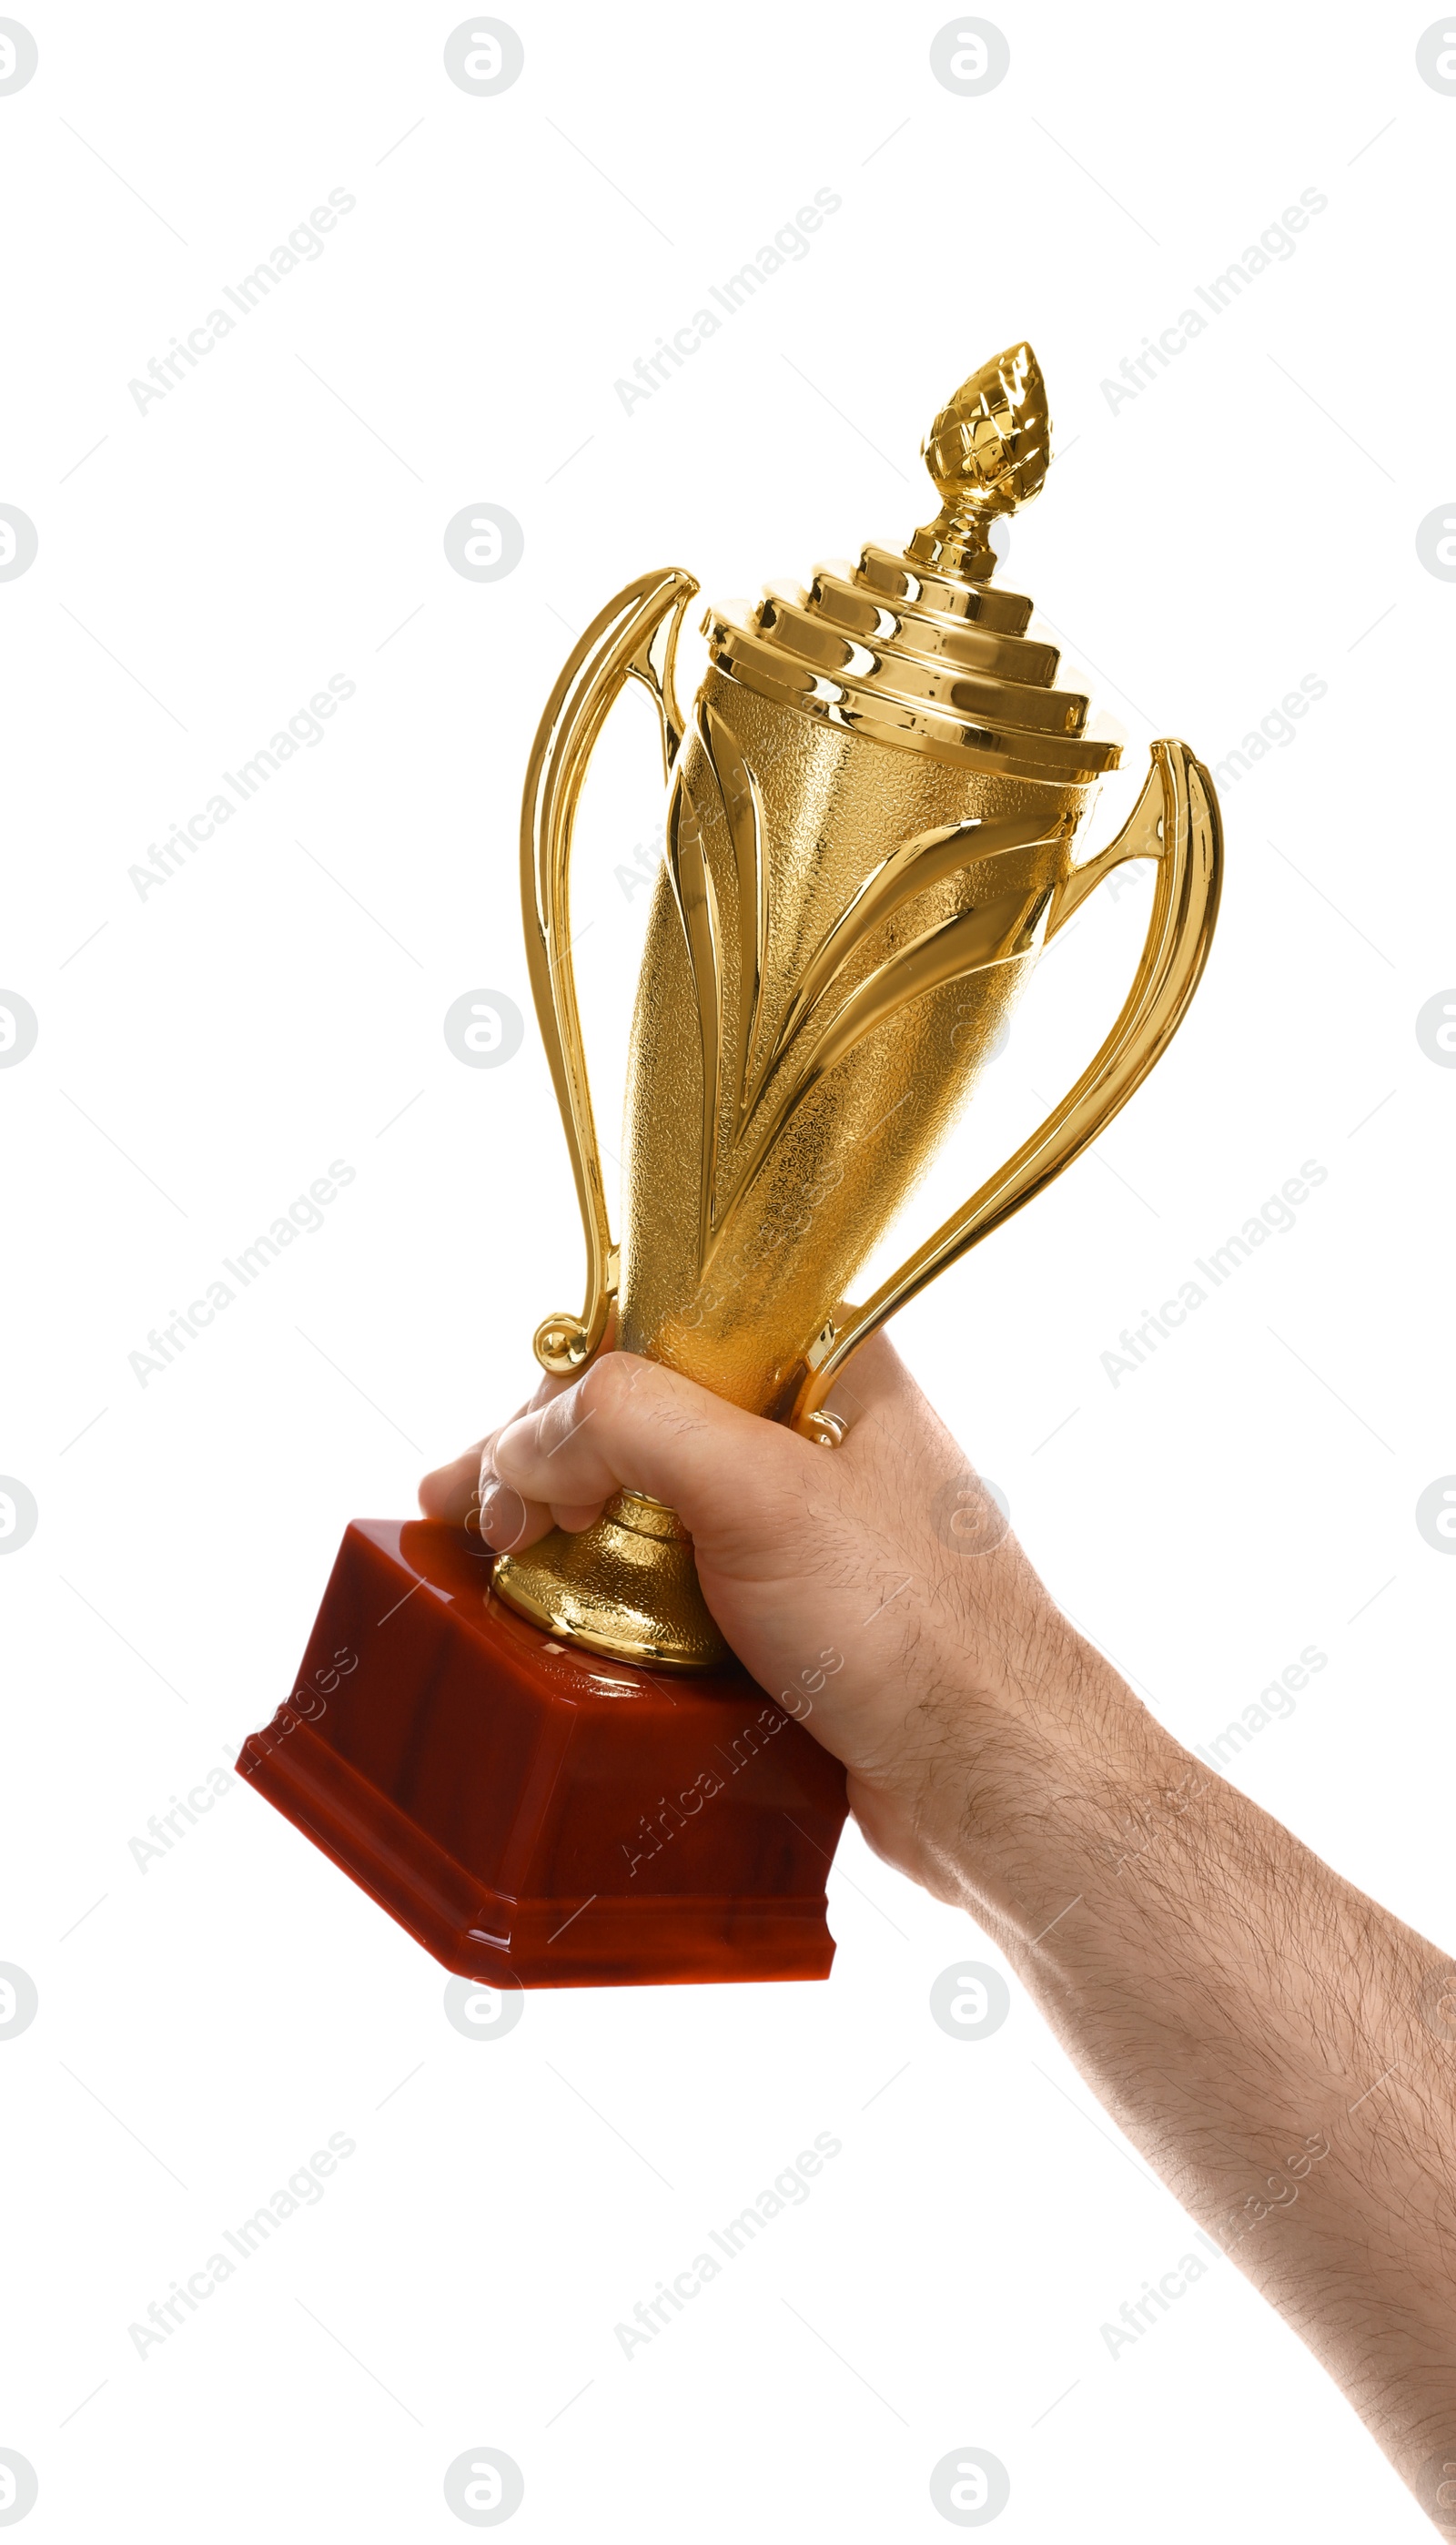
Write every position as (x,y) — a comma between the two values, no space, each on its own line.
(807,1197)
(550,1769)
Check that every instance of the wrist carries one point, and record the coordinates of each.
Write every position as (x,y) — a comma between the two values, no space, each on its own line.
(1051,1777)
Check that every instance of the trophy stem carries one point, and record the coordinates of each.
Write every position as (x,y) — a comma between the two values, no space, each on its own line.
(626,1587)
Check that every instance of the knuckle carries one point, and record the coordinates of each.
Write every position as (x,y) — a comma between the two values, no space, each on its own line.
(608,1384)
(598,1390)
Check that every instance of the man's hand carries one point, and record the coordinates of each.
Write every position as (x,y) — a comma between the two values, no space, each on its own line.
(886,1550)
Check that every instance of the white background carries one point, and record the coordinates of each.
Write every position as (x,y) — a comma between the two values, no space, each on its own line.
(1248,519)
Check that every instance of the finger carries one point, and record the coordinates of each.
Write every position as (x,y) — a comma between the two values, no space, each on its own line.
(506,1520)
(576,1515)
(896,1439)
(502,1518)
(449,1493)
(632,1422)
(455,1492)
(469,1494)
(874,1385)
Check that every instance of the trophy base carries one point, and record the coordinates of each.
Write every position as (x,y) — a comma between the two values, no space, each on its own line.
(625,1587)
(533,1817)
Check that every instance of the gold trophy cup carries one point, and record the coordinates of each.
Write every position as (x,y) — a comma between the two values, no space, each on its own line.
(872,805)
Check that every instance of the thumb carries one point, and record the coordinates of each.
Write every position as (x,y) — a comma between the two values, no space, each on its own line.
(630,1422)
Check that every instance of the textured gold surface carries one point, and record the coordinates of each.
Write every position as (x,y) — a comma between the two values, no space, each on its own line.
(757,1186)
(625,1587)
(870,821)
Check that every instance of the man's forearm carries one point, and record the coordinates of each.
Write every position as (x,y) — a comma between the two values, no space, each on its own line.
(1280,2047)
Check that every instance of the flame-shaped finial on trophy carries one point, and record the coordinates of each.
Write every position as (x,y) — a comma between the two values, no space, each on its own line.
(872,804)
(987,452)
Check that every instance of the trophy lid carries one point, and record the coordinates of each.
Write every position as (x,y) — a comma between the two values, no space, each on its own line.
(916,648)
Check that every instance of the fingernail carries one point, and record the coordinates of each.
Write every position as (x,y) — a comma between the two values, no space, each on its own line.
(502,1514)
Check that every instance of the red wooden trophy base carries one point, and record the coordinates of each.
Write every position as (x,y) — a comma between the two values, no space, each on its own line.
(536,1816)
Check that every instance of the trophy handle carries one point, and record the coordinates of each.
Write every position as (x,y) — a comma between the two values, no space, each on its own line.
(1176,820)
(635,637)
